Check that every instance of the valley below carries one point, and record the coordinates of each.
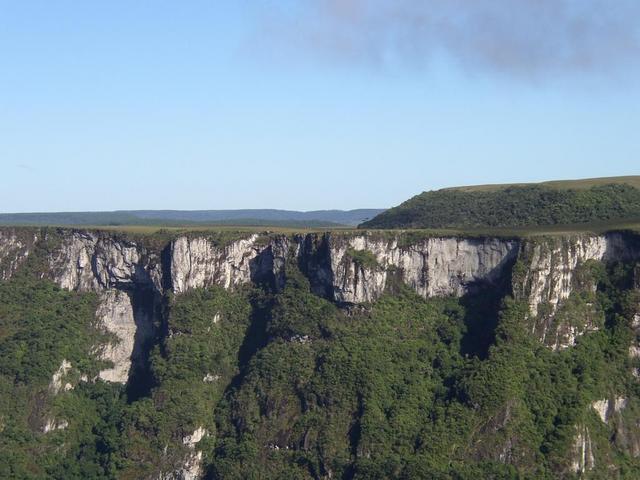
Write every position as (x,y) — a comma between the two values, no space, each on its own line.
(179,354)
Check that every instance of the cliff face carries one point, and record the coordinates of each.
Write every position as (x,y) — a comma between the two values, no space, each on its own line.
(550,277)
(130,279)
(15,247)
(344,268)
(199,262)
(133,278)
(357,269)
(432,267)
(87,261)
(123,273)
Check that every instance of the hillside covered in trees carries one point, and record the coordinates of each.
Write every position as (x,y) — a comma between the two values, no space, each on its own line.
(518,205)
(352,355)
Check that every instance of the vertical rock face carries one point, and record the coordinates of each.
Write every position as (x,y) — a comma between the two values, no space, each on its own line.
(89,262)
(356,269)
(15,247)
(553,262)
(551,265)
(345,268)
(199,262)
(582,459)
(115,269)
(433,267)
(58,382)
(115,315)
(607,408)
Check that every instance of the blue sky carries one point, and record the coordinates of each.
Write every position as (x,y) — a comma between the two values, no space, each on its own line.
(302,105)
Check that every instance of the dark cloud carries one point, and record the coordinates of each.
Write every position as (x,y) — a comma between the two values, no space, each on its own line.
(516,37)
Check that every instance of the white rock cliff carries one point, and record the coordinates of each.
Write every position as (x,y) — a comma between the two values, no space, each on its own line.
(113,268)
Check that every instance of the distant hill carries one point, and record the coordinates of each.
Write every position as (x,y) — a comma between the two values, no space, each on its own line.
(518,205)
(258,217)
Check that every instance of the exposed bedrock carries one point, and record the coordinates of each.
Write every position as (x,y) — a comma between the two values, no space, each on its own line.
(357,269)
(199,262)
(347,268)
(128,280)
(91,262)
(550,279)
(15,246)
(432,267)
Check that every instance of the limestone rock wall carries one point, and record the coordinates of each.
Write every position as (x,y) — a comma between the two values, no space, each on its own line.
(582,457)
(116,269)
(432,266)
(15,247)
(347,268)
(548,276)
(86,261)
(129,332)
(198,262)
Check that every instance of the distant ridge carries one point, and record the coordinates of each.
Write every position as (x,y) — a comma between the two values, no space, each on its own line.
(522,205)
(581,184)
(258,217)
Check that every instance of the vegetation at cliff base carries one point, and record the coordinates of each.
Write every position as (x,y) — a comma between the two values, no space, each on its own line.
(259,382)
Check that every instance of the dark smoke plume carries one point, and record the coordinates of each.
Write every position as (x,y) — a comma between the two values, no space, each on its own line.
(517,37)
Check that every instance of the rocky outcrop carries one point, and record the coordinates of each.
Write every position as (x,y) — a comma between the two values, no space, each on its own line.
(120,271)
(357,269)
(551,265)
(88,262)
(200,262)
(59,379)
(347,268)
(15,247)
(52,424)
(210,378)
(192,440)
(129,332)
(548,276)
(582,457)
(607,408)
(191,468)
(432,267)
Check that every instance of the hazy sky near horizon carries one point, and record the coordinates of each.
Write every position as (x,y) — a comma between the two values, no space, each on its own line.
(308,105)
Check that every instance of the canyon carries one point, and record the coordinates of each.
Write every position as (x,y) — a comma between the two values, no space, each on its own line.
(134,279)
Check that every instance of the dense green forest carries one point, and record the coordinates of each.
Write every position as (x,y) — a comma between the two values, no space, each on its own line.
(287,385)
(514,206)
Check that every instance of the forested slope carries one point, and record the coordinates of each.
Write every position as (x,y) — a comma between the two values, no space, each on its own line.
(534,205)
(318,356)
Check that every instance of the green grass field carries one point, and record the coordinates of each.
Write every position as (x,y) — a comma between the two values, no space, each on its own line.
(456,213)
(155,229)
(151,230)
(633,180)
